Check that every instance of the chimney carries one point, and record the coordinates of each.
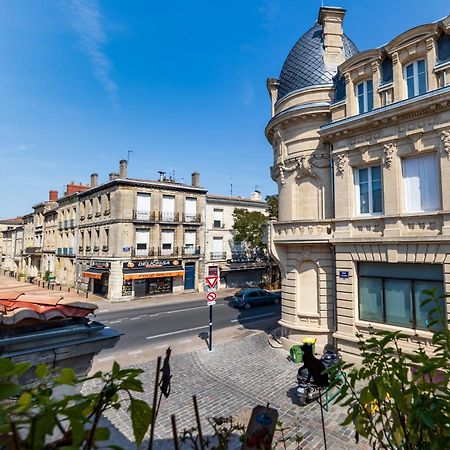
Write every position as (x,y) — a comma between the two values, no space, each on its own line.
(255,196)
(195,179)
(123,168)
(94,179)
(331,19)
(113,176)
(53,196)
(72,188)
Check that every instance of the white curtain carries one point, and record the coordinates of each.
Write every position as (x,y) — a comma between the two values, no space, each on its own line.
(217,245)
(191,206)
(420,182)
(143,202)
(168,204)
(167,237)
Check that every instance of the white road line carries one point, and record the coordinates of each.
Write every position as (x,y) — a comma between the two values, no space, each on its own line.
(135,352)
(136,318)
(116,321)
(187,309)
(106,358)
(246,319)
(177,332)
(102,311)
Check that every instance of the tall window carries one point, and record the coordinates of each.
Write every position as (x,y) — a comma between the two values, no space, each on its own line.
(167,242)
(364,91)
(421,184)
(142,206)
(217,252)
(393,293)
(218,218)
(369,195)
(142,241)
(416,78)
(189,242)
(168,208)
(190,209)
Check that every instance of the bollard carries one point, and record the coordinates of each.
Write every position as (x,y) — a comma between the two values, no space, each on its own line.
(53,287)
(60,287)
(68,289)
(87,294)
(48,285)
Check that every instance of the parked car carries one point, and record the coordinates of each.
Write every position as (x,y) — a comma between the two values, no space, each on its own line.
(246,298)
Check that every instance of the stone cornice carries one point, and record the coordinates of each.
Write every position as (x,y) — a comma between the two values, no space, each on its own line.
(426,104)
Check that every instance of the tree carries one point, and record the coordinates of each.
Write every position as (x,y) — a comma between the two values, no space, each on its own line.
(249,228)
(272,206)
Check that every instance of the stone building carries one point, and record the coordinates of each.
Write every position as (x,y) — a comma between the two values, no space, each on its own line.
(11,246)
(236,265)
(361,145)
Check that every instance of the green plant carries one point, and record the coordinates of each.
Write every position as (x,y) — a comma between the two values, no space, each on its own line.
(47,275)
(400,400)
(33,417)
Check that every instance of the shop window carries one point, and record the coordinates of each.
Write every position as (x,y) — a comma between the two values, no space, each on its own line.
(369,195)
(421,184)
(393,293)
(416,78)
(364,92)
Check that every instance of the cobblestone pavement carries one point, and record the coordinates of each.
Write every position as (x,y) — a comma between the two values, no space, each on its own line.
(231,380)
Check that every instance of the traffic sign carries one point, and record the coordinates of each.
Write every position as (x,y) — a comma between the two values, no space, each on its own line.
(211,297)
(211,280)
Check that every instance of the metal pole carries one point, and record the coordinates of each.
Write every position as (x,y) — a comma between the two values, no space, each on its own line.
(199,425)
(155,400)
(210,328)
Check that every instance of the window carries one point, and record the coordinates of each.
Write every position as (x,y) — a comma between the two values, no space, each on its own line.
(217,250)
(142,241)
(218,218)
(364,92)
(168,208)
(189,242)
(421,184)
(190,209)
(167,242)
(393,293)
(143,206)
(415,76)
(369,198)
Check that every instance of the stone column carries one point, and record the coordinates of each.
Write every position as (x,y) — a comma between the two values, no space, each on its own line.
(376,84)
(431,60)
(350,94)
(399,85)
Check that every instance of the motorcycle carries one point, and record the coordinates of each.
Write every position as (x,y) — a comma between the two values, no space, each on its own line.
(308,390)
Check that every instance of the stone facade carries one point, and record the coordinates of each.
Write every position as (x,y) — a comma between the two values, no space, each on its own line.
(363,171)
(236,265)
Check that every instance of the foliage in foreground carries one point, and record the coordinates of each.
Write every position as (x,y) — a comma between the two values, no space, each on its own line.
(400,400)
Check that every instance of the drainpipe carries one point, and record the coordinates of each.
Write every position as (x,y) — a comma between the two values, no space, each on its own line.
(333,248)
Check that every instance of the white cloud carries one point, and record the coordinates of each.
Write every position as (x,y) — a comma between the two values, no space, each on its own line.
(87,21)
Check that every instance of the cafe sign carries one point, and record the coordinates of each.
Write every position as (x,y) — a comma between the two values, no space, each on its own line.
(151,264)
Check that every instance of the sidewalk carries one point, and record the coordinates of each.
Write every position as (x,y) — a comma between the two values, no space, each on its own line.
(232,380)
(9,283)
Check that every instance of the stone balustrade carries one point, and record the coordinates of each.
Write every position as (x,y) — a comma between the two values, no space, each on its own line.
(302,230)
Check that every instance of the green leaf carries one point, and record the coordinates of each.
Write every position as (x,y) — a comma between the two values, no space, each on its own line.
(115,369)
(132,384)
(101,434)
(141,417)
(8,390)
(66,376)
(6,367)
(41,371)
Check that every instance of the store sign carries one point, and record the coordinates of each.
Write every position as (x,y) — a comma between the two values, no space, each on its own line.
(100,264)
(151,264)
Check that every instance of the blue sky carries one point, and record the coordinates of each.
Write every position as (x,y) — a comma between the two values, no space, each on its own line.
(180,83)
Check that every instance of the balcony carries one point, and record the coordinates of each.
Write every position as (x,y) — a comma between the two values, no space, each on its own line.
(144,215)
(191,218)
(174,251)
(33,250)
(168,216)
(218,255)
(191,250)
(143,252)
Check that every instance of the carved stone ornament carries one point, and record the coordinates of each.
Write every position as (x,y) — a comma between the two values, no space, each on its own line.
(342,161)
(445,138)
(304,168)
(389,154)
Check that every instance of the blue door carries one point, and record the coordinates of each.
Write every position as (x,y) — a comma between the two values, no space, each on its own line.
(189,276)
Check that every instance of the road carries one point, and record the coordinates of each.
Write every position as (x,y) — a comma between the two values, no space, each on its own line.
(157,324)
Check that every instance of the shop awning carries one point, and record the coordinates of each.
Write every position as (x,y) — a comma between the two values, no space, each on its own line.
(138,275)
(94,272)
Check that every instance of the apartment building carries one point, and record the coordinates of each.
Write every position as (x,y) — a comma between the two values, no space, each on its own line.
(11,245)
(361,144)
(235,265)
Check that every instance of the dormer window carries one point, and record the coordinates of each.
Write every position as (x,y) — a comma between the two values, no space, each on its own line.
(416,78)
(364,92)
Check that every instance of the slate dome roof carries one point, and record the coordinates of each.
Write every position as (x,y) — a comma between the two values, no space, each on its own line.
(304,65)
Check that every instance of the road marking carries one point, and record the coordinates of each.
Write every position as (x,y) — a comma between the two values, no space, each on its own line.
(135,352)
(187,309)
(116,321)
(247,319)
(136,318)
(102,311)
(106,358)
(177,332)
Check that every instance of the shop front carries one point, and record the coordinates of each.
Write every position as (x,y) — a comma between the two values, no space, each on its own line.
(97,278)
(152,277)
(243,273)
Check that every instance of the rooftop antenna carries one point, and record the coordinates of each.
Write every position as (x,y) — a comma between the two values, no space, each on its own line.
(128,155)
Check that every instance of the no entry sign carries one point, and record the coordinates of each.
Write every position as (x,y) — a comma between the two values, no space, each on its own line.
(211,297)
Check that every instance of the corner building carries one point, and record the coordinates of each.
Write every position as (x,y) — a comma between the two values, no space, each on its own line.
(361,144)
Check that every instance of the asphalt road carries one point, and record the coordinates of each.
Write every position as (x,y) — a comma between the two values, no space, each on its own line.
(157,324)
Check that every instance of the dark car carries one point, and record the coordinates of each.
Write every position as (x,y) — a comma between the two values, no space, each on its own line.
(246,298)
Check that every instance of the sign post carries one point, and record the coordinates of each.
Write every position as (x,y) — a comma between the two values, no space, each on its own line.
(211,296)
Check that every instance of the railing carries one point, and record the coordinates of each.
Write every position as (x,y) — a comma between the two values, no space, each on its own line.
(168,216)
(168,251)
(218,255)
(143,252)
(191,218)
(144,215)
(33,250)
(188,250)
